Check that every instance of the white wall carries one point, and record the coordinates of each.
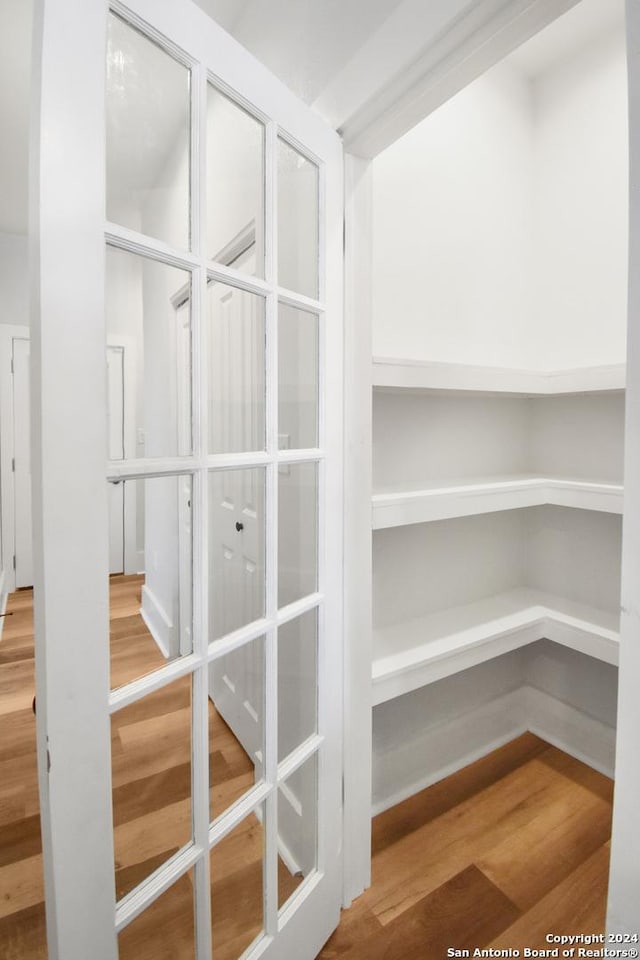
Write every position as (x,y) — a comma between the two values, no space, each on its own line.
(500,229)
(452,234)
(14,280)
(581,207)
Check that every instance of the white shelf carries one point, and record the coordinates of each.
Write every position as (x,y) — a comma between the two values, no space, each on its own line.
(396,508)
(418,652)
(396,374)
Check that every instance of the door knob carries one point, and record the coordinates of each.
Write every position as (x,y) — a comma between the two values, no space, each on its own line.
(239,526)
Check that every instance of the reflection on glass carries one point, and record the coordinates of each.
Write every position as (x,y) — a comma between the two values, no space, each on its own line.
(235,185)
(150,583)
(164,930)
(297,673)
(298,827)
(297,221)
(236,370)
(236,864)
(236,549)
(151,769)
(297,531)
(236,724)
(148,316)
(148,138)
(297,378)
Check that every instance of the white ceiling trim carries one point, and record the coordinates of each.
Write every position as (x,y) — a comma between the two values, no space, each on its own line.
(390,98)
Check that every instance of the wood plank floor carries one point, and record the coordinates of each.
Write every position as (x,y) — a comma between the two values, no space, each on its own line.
(499,854)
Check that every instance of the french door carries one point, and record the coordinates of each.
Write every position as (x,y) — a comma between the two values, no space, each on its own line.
(184,201)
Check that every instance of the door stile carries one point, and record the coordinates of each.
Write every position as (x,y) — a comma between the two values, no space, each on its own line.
(70,495)
(200,412)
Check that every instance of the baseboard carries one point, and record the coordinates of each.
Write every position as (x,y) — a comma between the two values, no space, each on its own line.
(448,746)
(157,621)
(445,748)
(573,731)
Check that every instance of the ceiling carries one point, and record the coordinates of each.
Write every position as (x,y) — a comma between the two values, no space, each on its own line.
(307,43)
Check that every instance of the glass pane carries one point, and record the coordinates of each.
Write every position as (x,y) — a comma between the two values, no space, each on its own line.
(297,221)
(297,827)
(148,317)
(151,765)
(297,531)
(297,681)
(237,888)
(235,185)
(148,138)
(236,549)
(236,370)
(297,378)
(236,724)
(150,587)
(166,929)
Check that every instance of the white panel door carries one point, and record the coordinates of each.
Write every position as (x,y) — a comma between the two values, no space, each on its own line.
(22,463)
(206,151)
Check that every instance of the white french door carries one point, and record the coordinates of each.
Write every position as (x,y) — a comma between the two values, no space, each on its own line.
(191,147)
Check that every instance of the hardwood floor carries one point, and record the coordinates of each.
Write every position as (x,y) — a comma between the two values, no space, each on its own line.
(499,854)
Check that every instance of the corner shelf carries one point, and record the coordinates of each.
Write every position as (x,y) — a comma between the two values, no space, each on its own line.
(418,652)
(396,508)
(396,374)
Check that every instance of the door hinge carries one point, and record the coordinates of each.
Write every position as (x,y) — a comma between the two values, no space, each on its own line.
(13,464)
(14,561)
(12,365)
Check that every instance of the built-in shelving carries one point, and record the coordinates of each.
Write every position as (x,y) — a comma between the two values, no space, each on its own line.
(397,374)
(394,508)
(411,654)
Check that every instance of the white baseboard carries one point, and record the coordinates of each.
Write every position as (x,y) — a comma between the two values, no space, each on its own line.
(445,748)
(583,737)
(158,622)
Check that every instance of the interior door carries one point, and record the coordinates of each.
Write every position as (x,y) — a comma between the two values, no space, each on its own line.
(22,463)
(241,419)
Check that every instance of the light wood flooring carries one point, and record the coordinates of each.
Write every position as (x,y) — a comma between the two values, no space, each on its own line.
(509,849)
(499,854)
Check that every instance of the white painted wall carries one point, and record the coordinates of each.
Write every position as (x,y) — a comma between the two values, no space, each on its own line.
(14,280)
(500,229)
(452,233)
(581,207)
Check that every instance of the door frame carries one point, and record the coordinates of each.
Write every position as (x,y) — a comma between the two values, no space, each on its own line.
(8,333)
(424,68)
(68,235)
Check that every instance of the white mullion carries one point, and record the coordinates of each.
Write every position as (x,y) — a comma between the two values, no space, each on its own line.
(300,301)
(299,607)
(201,746)
(147,468)
(299,756)
(238,638)
(234,278)
(270,865)
(301,455)
(239,811)
(136,902)
(134,242)
(131,692)
(237,461)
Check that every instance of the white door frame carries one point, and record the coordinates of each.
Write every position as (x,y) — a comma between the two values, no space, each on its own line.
(70,502)
(455,44)
(8,333)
